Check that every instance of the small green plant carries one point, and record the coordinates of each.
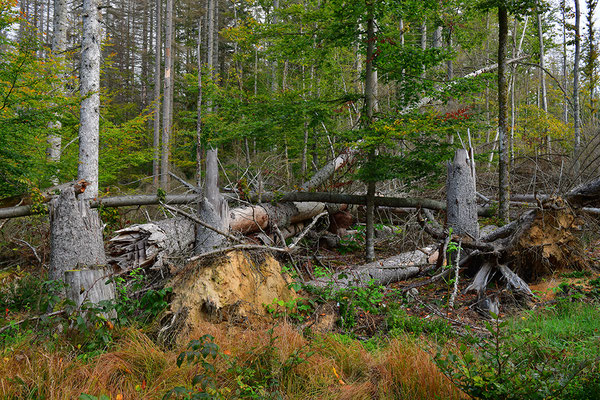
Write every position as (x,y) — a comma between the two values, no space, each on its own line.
(509,365)
(200,352)
(296,309)
(399,322)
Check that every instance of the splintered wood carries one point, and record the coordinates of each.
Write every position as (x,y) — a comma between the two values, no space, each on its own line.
(151,245)
(546,241)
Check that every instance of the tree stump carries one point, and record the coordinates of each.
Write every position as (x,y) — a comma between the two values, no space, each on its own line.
(75,234)
(461,197)
(89,286)
(77,249)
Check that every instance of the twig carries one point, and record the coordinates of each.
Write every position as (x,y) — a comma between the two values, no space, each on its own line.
(200,222)
(442,274)
(184,183)
(305,231)
(31,247)
(238,247)
(13,324)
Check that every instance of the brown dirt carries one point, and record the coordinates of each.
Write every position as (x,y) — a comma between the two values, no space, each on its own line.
(235,287)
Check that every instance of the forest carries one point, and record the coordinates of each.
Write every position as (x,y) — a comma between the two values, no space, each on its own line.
(299,199)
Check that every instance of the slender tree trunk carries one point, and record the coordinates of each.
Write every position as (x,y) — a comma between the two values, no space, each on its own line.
(157,69)
(59,46)
(565,109)
(576,112)
(90,93)
(370,82)
(144,66)
(449,64)
(167,99)
(199,111)
(504,184)
(543,95)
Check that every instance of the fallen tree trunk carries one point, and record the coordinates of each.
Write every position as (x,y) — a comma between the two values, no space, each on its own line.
(381,272)
(152,244)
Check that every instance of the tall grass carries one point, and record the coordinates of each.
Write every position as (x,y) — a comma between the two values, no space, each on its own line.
(137,368)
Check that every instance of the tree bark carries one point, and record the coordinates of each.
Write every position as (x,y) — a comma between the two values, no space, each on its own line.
(59,46)
(199,111)
(503,164)
(370,84)
(89,286)
(543,94)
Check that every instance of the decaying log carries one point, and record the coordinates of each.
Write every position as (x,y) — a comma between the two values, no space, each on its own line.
(152,244)
(587,194)
(255,218)
(381,272)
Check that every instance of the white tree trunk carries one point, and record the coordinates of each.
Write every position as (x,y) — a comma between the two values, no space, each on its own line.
(59,46)
(576,88)
(89,129)
(167,99)
(157,59)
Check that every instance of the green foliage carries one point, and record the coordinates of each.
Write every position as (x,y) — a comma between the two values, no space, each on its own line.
(259,374)
(349,300)
(400,323)
(514,364)
(297,309)
(133,307)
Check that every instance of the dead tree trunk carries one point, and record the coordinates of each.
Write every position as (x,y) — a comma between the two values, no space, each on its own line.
(460,196)
(90,286)
(75,235)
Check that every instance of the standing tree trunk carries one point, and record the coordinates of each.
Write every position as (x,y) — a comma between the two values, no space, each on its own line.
(75,229)
(543,94)
(503,164)
(461,200)
(75,234)
(59,46)
(157,59)
(213,208)
(167,99)
(199,111)
(576,114)
(370,82)
(564,60)
(89,128)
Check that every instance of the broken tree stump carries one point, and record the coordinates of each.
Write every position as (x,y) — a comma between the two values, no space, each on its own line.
(461,196)
(75,234)
(90,286)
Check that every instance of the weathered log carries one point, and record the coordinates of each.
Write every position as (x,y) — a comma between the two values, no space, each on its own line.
(460,196)
(75,235)
(381,272)
(587,194)
(90,286)
(152,244)
(255,218)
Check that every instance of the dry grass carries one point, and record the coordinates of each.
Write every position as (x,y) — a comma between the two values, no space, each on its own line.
(139,369)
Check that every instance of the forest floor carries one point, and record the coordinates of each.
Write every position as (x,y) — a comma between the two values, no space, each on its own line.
(375,342)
